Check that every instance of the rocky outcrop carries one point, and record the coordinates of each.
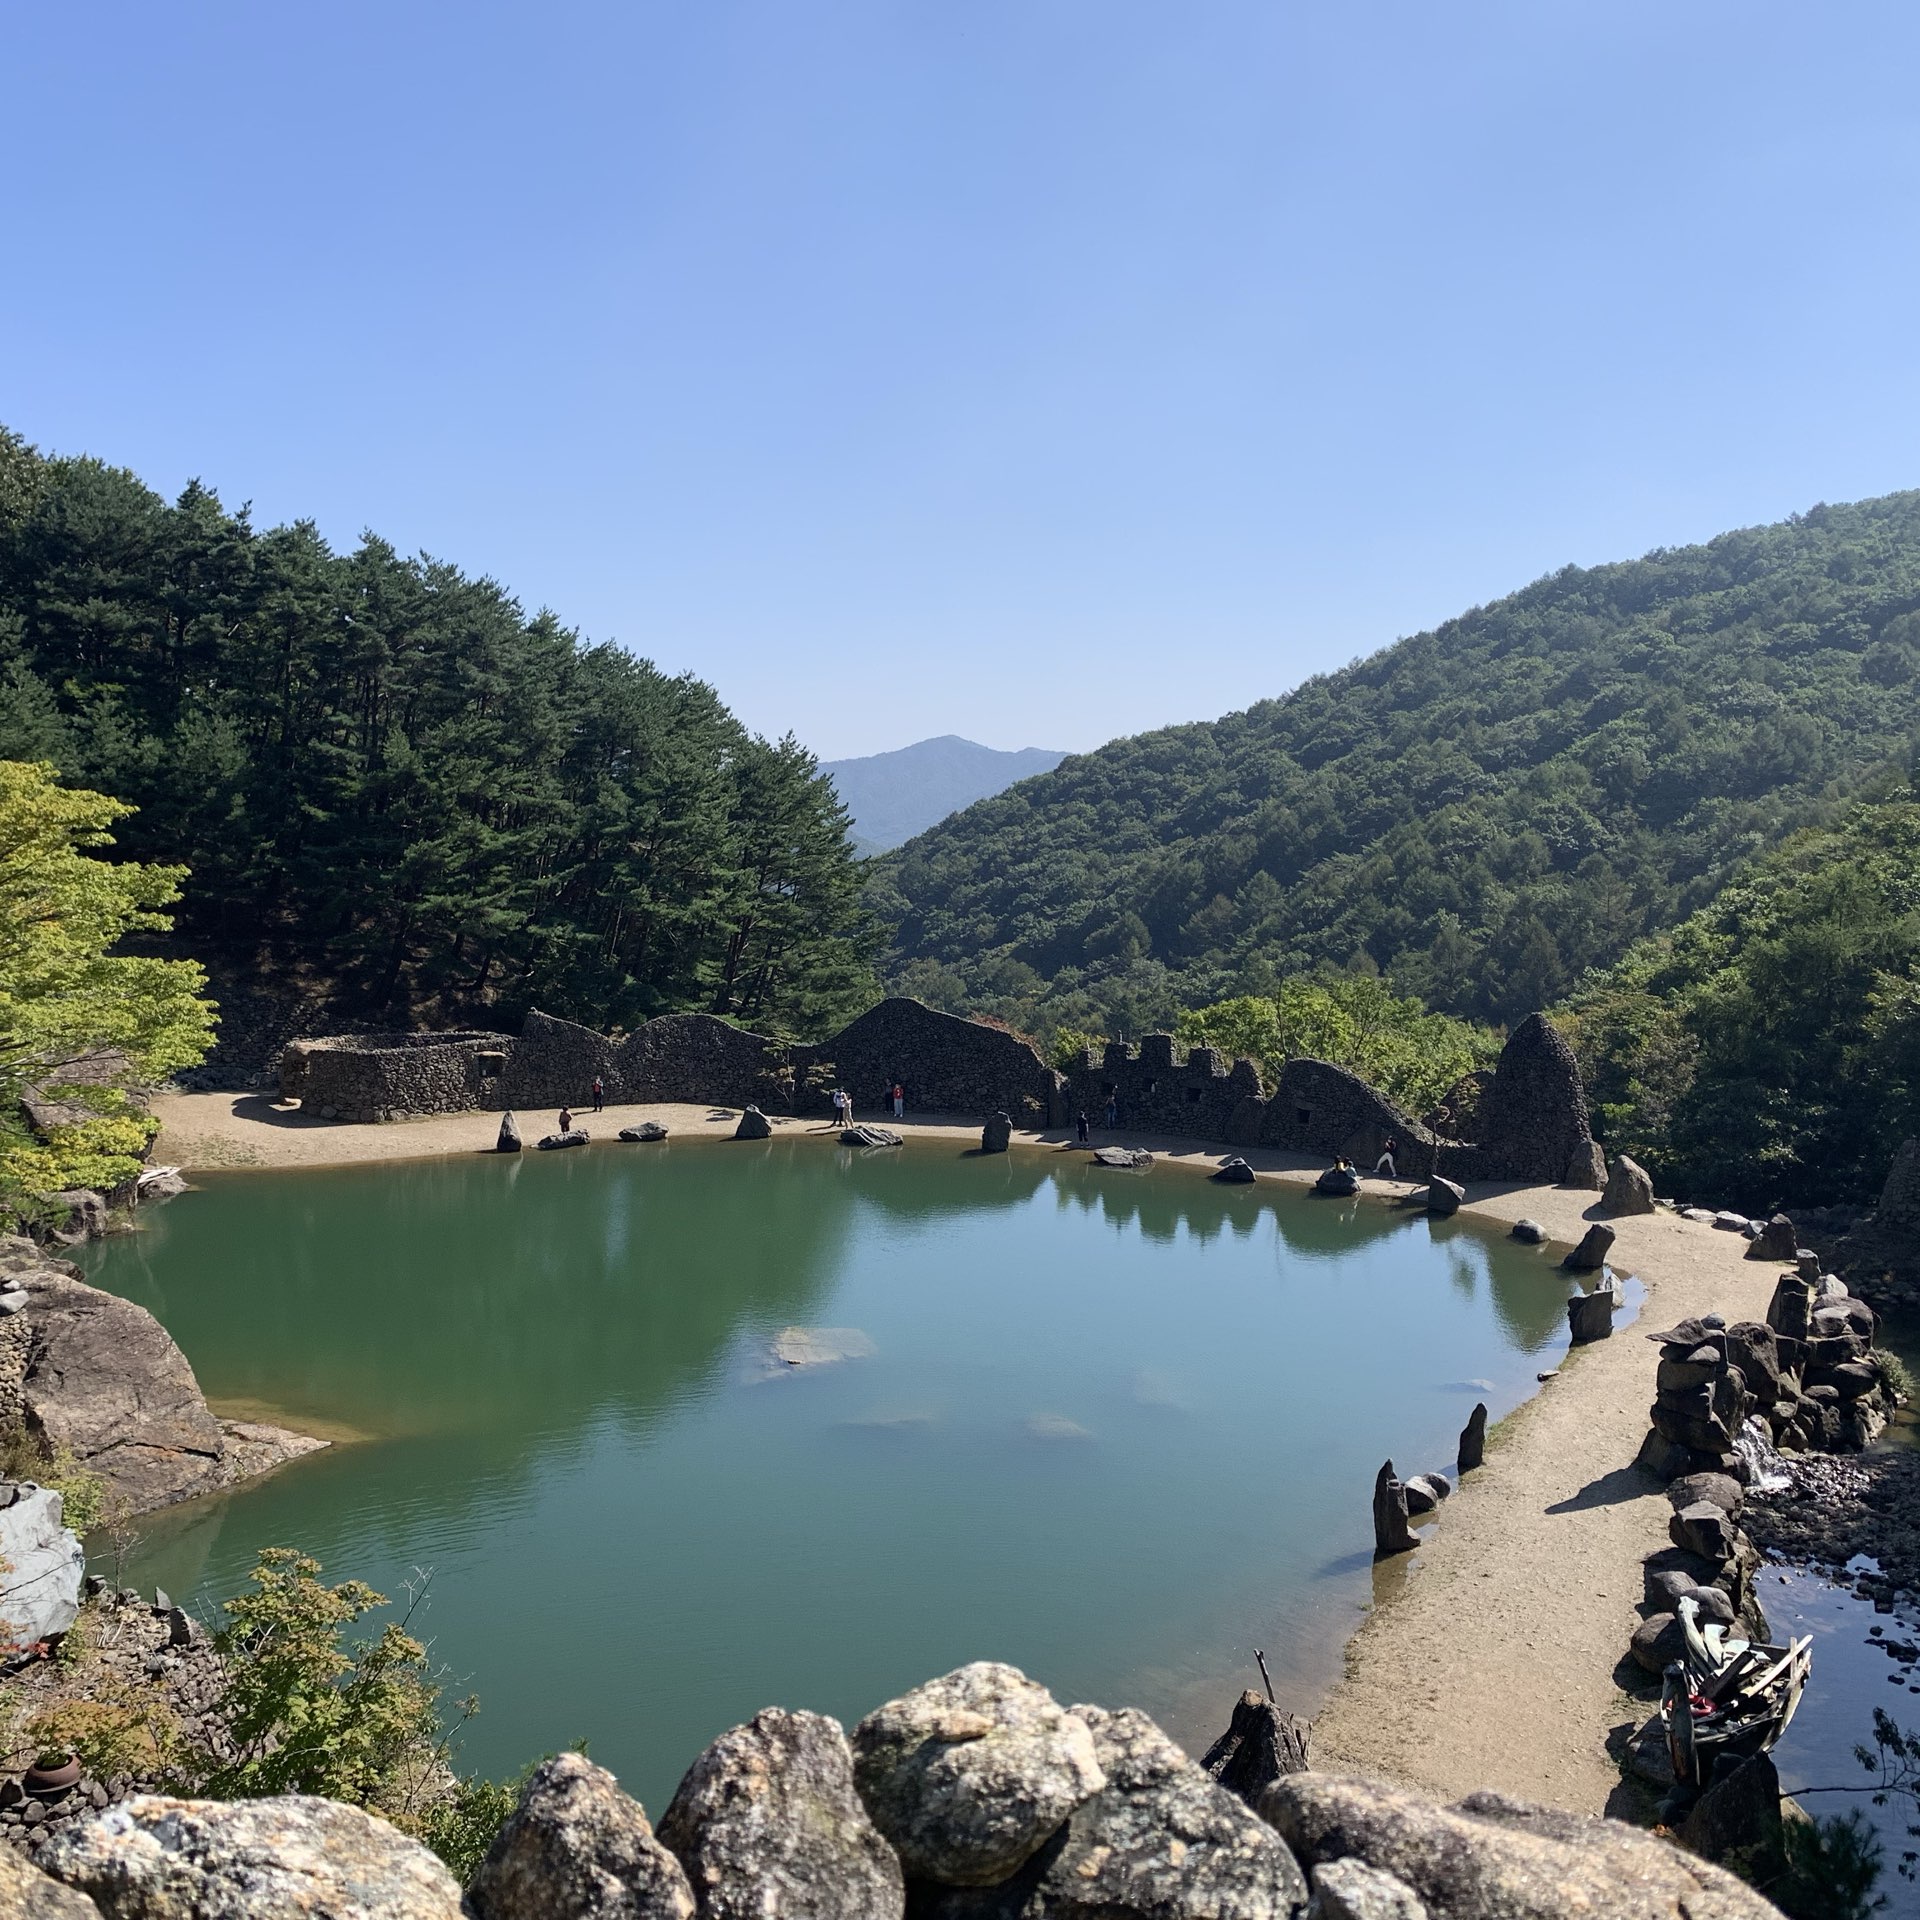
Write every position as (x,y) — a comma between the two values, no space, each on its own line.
(41,1566)
(1490,1858)
(970,1775)
(28,1894)
(767,1822)
(101,1377)
(577,1848)
(154,1858)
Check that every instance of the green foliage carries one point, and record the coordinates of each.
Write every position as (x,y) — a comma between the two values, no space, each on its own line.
(1767,1050)
(78,1019)
(83,1494)
(389,781)
(462,1824)
(1068,1044)
(1354,1021)
(1833,1865)
(1482,813)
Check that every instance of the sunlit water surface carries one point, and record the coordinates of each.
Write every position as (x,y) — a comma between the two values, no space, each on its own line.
(1117,1428)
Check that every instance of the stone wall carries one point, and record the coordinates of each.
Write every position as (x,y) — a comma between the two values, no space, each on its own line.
(1159,1091)
(944,1063)
(1320,1108)
(1533,1115)
(368,1077)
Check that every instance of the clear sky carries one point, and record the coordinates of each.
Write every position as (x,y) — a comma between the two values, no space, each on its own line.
(1038,370)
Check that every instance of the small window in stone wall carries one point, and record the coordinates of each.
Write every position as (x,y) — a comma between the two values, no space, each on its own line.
(1193,1096)
(1151,1085)
(1304,1115)
(1106,1086)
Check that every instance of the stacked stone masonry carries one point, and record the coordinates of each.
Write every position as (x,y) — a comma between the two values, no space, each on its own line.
(1533,1114)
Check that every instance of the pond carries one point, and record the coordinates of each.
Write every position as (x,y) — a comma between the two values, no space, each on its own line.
(1117,1428)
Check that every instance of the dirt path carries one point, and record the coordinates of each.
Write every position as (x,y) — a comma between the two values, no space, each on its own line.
(1489,1660)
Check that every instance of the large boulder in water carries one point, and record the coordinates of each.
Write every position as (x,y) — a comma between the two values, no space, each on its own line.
(996,1135)
(573,1137)
(155,1858)
(508,1138)
(970,1775)
(767,1822)
(754,1125)
(1591,1254)
(1233,1172)
(1491,1858)
(1338,1183)
(577,1848)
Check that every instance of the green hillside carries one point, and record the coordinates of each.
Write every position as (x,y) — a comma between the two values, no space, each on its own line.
(1483,812)
(394,788)
(1767,1050)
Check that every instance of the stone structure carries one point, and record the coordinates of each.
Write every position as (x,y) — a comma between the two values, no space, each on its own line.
(1532,1109)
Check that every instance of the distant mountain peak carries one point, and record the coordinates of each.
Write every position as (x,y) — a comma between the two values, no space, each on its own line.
(893,796)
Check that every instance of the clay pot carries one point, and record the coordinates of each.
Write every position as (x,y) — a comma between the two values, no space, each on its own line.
(42,1783)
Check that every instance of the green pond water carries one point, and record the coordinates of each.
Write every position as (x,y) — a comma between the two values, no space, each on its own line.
(1117,1428)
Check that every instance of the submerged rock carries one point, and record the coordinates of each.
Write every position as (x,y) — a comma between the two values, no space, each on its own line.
(1491,1858)
(1444,1197)
(820,1346)
(997,1134)
(647,1130)
(578,1848)
(1233,1172)
(155,1858)
(767,1822)
(970,1775)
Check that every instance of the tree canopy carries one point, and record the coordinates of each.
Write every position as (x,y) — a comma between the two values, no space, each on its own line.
(1482,813)
(389,782)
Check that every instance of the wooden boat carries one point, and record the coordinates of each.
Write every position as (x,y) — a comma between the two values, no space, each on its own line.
(1728,1697)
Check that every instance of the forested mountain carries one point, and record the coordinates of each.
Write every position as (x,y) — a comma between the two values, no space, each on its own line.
(893,796)
(390,783)
(1483,812)
(1767,1050)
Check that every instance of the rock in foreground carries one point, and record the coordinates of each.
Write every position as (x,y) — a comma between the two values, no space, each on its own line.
(577,1848)
(767,1823)
(154,1858)
(1490,1858)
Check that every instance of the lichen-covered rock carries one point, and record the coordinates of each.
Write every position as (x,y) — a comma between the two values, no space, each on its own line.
(767,1823)
(1490,1858)
(1161,1841)
(293,1857)
(577,1848)
(970,1775)
(28,1894)
(1352,1890)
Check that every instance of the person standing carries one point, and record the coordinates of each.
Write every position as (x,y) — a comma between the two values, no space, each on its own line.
(899,1101)
(1385,1163)
(599,1092)
(1113,1113)
(842,1108)
(1085,1131)
(566,1119)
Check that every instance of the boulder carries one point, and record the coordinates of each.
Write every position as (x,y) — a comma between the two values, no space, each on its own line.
(1697,1367)
(508,1138)
(573,1137)
(970,1775)
(1777,1240)
(1161,1841)
(1586,1167)
(1791,1310)
(1629,1188)
(85,1215)
(754,1125)
(865,1136)
(1444,1196)
(1352,1890)
(45,1566)
(1590,1316)
(28,1894)
(1391,1534)
(1530,1233)
(1591,1254)
(1491,1858)
(104,1379)
(1473,1439)
(1662,1457)
(577,1848)
(1425,1491)
(646,1132)
(1719,1489)
(1851,1379)
(1731,1222)
(1753,1348)
(1122,1157)
(997,1134)
(1260,1744)
(155,1858)
(1705,1528)
(1738,1819)
(767,1822)
(1657,1642)
(1337,1183)
(1233,1172)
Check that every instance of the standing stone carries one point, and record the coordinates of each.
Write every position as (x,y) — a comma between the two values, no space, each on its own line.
(1591,1254)
(767,1822)
(1777,1240)
(509,1137)
(1586,1167)
(577,1848)
(995,1135)
(754,1125)
(1473,1439)
(1444,1196)
(1533,1117)
(1629,1188)
(1391,1533)
(1260,1744)
(970,1775)
(1790,1312)
(155,1858)
(1590,1316)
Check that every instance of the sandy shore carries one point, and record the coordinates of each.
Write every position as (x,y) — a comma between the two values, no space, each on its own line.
(1489,1659)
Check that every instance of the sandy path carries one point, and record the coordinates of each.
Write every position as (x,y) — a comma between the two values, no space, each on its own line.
(1489,1662)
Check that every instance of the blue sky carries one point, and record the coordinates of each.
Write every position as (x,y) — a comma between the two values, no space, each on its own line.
(1038,371)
